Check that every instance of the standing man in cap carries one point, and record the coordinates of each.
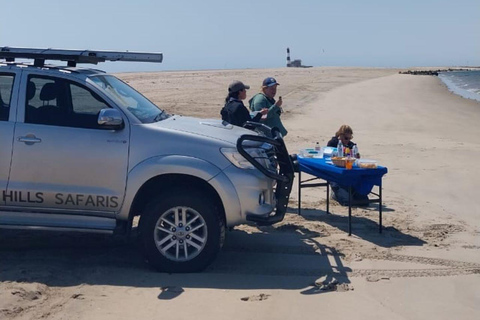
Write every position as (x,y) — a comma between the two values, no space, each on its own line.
(234,111)
(265,99)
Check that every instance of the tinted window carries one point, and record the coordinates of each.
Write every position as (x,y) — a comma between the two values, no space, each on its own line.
(130,99)
(6,86)
(59,102)
(85,102)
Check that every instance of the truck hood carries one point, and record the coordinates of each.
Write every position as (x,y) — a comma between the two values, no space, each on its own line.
(211,128)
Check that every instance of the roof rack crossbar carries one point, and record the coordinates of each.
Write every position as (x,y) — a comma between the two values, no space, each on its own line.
(77,56)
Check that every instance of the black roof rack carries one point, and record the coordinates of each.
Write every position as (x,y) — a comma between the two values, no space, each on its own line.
(76,56)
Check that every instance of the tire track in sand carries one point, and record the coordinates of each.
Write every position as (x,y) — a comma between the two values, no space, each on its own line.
(307,257)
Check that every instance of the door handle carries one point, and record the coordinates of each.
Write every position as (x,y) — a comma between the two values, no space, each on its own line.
(29,139)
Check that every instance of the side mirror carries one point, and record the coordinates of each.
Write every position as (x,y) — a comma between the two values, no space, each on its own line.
(110,119)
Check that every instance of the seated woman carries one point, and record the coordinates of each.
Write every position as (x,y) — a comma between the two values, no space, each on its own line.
(345,134)
(340,193)
(234,111)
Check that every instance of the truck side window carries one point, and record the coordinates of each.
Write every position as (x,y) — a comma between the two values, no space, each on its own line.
(42,102)
(6,86)
(59,102)
(86,106)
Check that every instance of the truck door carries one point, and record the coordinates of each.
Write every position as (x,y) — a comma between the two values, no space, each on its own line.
(62,159)
(7,124)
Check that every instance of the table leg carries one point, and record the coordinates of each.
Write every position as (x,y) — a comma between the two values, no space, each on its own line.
(299,193)
(380,208)
(328,197)
(350,210)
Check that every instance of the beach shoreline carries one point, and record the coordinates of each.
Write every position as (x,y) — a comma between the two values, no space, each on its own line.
(424,265)
(465,84)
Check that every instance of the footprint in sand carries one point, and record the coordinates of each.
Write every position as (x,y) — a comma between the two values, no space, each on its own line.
(260,297)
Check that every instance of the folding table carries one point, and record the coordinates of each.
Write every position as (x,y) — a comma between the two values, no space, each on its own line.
(360,179)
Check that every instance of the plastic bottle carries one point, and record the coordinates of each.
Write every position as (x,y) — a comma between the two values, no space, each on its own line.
(317,146)
(355,151)
(340,149)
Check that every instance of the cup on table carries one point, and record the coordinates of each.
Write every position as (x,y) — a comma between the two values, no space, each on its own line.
(349,163)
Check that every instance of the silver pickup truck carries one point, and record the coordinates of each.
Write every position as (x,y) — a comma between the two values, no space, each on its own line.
(80,150)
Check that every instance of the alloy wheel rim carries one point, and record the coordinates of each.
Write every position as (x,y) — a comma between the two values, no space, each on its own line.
(180,234)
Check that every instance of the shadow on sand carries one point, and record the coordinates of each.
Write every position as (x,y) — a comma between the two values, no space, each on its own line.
(287,256)
(261,260)
(362,227)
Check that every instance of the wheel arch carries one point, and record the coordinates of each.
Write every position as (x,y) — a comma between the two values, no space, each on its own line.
(167,182)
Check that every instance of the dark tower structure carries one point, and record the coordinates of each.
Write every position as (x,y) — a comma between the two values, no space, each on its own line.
(297,63)
(288,57)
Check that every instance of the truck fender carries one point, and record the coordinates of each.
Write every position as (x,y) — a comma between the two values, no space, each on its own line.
(177,164)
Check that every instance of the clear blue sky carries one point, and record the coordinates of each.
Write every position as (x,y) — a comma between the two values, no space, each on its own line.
(224,34)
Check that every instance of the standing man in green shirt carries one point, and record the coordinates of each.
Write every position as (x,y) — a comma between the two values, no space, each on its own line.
(265,99)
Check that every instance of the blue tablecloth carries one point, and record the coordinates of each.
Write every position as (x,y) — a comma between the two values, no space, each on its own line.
(362,180)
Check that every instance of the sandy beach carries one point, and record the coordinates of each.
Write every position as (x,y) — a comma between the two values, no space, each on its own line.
(425,264)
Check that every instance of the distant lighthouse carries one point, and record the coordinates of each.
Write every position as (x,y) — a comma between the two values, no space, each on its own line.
(297,63)
(288,57)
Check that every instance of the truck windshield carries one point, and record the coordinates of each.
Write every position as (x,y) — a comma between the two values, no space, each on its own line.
(129,99)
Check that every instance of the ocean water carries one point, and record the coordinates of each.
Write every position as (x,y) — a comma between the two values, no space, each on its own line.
(463,83)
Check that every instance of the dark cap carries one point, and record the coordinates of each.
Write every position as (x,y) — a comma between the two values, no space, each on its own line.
(268,82)
(236,86)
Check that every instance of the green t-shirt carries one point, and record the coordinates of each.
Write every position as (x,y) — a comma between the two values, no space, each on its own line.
(260,101)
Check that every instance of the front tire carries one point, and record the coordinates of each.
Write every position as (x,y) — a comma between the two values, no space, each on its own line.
(181,233)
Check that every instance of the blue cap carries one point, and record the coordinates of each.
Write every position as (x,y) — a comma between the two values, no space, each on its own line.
(268,82)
